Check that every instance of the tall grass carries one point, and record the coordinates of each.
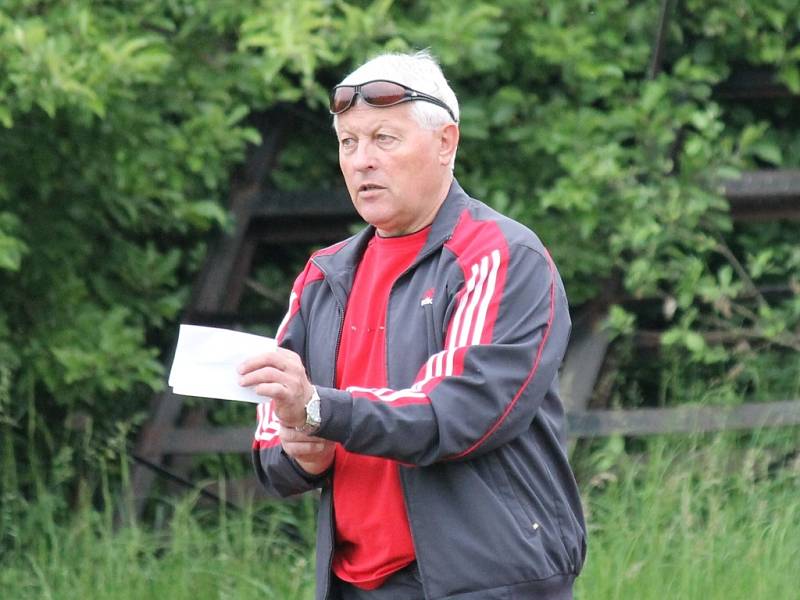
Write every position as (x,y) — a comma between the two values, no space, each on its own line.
(679,518)
(200,554)
(696,519)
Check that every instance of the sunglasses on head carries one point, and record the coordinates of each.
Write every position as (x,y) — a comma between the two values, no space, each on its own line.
(379,93)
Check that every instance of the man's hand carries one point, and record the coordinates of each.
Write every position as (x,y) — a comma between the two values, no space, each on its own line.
(313,454)
(280,375)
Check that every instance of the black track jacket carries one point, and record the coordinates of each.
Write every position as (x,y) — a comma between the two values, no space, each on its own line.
(476,331)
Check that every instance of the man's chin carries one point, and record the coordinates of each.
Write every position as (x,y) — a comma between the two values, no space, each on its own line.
(372,211)
(385,227)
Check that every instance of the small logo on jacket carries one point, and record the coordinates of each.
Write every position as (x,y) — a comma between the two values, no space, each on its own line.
(428,297)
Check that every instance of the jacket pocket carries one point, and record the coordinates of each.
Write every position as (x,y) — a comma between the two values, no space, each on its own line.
(435,344)
(536,504)
(526,520)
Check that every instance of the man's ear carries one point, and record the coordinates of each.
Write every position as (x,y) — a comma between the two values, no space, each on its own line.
(448,143)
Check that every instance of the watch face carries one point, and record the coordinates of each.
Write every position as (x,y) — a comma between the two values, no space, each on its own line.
(312,411)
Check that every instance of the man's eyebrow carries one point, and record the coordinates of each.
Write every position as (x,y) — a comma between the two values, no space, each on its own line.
(389,124)
(384,123)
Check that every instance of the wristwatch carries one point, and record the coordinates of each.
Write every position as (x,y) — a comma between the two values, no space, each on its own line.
(313,419)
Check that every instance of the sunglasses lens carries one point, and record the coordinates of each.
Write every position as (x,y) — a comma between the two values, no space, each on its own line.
(375,93)
(382,93)
(341,99)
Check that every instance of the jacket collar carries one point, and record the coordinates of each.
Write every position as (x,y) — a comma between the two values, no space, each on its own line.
(445,221)
(339,267)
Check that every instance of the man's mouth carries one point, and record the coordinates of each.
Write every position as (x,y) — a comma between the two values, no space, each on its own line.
(369,187)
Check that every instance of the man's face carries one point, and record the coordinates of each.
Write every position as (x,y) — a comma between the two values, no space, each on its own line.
(395,170)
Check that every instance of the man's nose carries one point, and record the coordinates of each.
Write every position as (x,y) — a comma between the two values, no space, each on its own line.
(364,158)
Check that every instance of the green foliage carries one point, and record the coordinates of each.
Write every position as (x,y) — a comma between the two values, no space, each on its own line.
(621,171)
(115,135)
(11,247)
(119,127)
(121,122)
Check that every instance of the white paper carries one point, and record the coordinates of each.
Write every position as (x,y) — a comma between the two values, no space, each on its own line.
(206,362)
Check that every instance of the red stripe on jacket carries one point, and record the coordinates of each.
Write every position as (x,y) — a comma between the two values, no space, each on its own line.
(266,434)
(532,372)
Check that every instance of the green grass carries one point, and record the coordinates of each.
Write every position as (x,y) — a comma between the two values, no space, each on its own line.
(201,554)
(708,518)
(691,519)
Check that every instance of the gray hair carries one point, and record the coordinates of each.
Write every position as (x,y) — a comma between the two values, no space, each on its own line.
(419,71)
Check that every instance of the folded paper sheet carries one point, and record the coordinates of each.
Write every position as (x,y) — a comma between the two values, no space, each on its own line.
(206,362)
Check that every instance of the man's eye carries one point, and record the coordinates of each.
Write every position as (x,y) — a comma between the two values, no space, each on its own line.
(347,142)
(384,138)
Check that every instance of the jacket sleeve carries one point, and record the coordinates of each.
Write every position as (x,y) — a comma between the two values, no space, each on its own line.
(506,337)
(278,473)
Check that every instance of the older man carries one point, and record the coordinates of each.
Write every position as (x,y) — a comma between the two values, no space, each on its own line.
(416,383)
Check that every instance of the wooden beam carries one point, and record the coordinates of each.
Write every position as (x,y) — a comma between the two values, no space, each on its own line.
(317,229)
(581,424)
(277,203)
(765,195)
(242,492)
(683,419)
(165,410)
(778,183)
(657,58)
(197,440)
(650,340)
(584,359)
(751,83)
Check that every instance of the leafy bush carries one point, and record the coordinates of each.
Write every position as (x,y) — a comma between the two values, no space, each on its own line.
(120,125)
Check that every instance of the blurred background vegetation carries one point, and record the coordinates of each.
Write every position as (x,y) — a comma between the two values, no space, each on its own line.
(121,124)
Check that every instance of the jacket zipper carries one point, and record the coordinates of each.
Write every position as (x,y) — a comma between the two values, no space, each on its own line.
(403,486)
(422,257)
(340,312)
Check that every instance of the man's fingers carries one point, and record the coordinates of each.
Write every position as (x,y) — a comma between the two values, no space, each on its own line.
(256,362)
(287,408)
(269,360)
(314,454)
(280,391)
(280,359)
(301,445)
(279,375)
(263,375)
(281,408)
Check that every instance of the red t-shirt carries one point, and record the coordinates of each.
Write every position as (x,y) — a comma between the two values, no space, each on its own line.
(373,538)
